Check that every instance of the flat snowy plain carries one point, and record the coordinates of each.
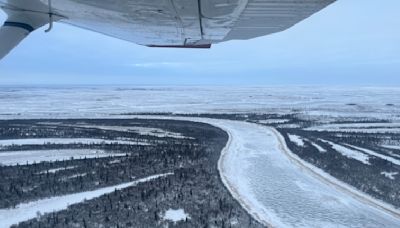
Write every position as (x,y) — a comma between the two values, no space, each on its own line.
(91,102)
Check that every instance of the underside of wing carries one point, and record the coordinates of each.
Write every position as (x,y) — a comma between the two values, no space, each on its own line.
(165,23)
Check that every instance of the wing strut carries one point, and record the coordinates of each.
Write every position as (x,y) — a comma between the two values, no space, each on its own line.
(20,23)
(50,18)
(11,34)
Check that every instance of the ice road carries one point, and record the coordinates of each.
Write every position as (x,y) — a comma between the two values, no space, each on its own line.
(279,193)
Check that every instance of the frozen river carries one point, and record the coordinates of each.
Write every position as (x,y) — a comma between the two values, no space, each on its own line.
(280,193)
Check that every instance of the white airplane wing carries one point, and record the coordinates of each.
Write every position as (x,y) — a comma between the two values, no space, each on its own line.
(158,23)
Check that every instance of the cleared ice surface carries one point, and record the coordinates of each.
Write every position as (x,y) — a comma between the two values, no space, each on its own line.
(32,156)
(26,211)
(41,141)
(280,193)
(175,215)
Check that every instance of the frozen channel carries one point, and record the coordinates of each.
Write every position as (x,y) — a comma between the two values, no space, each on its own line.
(280,193)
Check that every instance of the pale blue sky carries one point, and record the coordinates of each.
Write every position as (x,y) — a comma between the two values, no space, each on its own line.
(352,42)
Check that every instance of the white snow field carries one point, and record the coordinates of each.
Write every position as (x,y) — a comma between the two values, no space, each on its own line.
(254,166)
(92,102)
(273,121)
(175,215)
(36,156)
(26,211)
(278,190)
(150,131)
(390,175)
(394,147)
(373,153)
(41,141)
(354,154)
(55,170)
(359,127)
(296,139)
(319,148)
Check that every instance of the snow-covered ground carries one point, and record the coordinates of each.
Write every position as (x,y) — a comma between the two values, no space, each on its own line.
(319,148)
(359,127)
(91,102)
(296,139)
(41,141)
(157,132)
(255,168)
(74,176)
(395,147)
(32,156)
(55,170)
(390,175)
(350,153)
(373,153)
(273,121)
(26,211)
(175,215)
